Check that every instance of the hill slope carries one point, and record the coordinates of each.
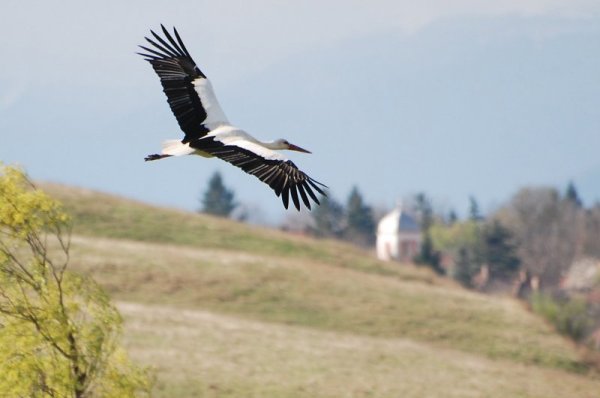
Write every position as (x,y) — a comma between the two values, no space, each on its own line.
(201,353)
(224,308)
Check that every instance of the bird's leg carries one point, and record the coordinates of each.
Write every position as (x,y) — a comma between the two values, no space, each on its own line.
(155,156)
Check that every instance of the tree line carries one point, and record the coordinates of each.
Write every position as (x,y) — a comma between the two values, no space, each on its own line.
(539,231)
(355,222)
(528,247)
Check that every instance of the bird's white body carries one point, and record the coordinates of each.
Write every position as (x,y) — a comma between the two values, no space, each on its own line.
(207,131)
(228,135)
(176,148)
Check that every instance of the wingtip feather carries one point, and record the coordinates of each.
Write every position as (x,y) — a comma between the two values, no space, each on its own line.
(285,197)
(295,199)
(303,195)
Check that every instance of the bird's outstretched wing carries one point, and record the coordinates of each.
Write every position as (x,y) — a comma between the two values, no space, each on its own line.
(270,167)
(188,91)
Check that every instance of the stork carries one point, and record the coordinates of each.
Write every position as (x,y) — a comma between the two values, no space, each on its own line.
(208,133)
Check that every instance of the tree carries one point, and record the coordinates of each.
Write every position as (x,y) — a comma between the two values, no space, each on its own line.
(572,196)
(218,200)
(465,267)
(474,214)
(550,232)
(360,226)
(498,251)
(328,218)
(452,217)
(451,238)
(427,255)
(424,211)
(591,246)
(58,331)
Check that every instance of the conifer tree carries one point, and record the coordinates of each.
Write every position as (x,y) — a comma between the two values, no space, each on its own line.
(328,217)
(572,196)
(427,255)
(498,251)
(452,217)
(217,199)
(360,226)
(465,268)
(474,214)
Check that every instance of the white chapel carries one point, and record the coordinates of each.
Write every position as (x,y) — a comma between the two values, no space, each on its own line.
(398,236)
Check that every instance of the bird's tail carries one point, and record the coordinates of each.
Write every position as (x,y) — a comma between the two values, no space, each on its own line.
(171,148)
(175,148)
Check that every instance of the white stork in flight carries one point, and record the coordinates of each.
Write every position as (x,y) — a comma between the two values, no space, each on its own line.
(208,133)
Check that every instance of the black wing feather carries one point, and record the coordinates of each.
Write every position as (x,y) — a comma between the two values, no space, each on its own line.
(294,193)
(171,45)
(303,195)
(281,175)
(177,71)
(156,55)
(165,48)
(285,197)
(185,50)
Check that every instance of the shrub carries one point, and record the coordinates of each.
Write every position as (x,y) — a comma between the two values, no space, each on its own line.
(569,315)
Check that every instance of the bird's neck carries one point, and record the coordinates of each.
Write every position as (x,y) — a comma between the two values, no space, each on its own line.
(272,144)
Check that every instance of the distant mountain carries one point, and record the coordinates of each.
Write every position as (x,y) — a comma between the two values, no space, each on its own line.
(460,108)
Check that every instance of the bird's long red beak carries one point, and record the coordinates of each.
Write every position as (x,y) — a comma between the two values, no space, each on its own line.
(297,148)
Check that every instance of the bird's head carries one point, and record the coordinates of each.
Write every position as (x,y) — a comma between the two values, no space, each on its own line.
(285,144)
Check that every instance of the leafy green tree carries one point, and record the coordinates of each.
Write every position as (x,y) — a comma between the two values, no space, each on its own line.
(461,241)
(360,226)
(218,200)
(328,218)
(58,331)
(451,238)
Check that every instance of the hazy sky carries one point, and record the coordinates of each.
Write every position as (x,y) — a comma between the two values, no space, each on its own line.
(452,98)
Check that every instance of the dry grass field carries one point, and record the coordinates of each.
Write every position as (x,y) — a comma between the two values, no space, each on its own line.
(222,309)
(202,353)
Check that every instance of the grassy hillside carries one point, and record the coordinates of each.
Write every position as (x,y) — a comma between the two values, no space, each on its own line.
(224,309)
(98,214)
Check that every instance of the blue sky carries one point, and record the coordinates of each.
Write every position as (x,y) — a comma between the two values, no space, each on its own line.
(451,98)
